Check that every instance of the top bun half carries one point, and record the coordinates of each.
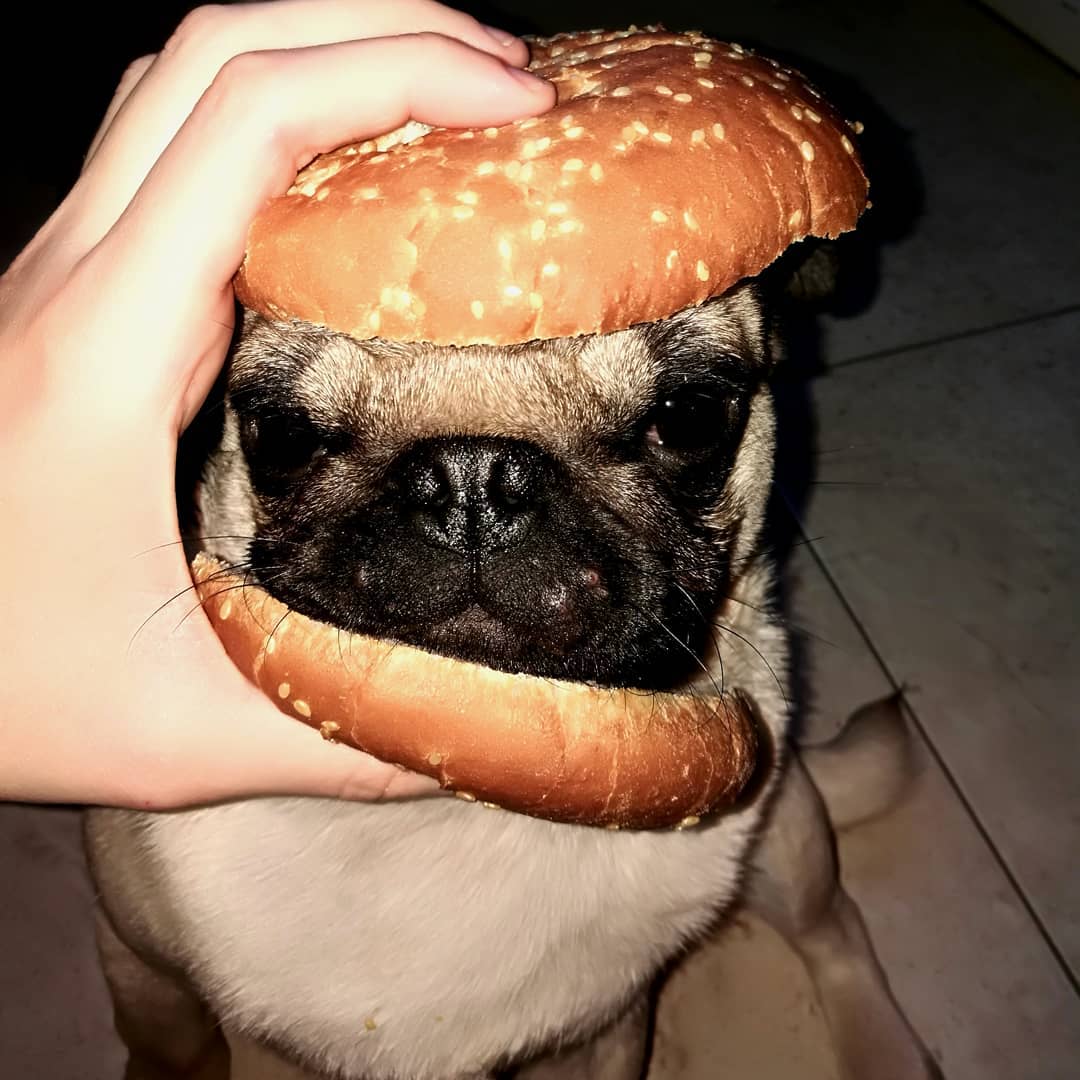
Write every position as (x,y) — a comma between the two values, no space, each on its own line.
(671,167)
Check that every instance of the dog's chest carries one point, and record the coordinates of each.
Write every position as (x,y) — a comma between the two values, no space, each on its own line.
(389,937)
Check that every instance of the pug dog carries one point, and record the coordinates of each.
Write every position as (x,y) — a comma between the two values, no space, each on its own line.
(587,508)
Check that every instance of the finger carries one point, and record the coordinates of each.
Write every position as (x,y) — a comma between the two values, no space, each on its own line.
(128,82)
(267,114)
(145,121)
(223,731)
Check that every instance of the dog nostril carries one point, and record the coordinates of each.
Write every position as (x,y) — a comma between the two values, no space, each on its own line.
(429,487)
(511,483)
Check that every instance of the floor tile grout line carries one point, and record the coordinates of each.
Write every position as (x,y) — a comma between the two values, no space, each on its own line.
(1071,976)
(1025,36)
(959,335)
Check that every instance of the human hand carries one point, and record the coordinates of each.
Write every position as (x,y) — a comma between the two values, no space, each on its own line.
(114,323)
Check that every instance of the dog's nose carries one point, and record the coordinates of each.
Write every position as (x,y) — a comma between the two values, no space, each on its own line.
(473,494)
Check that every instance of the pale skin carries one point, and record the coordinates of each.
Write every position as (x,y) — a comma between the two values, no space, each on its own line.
(114,322)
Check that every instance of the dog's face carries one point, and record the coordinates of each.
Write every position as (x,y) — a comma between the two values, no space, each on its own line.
(569,508)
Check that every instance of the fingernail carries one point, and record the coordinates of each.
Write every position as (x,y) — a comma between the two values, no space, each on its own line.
(533,83)
(500,37)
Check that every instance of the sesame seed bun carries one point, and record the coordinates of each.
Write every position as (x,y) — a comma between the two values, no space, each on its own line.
(561,751)
(671,167)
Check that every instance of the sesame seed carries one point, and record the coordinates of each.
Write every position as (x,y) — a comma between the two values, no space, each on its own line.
(807,150)
(463,213)
(796,112)
(465,796)
(225,610)
(736,47)
(574,164)
(469,198)
(550,269)
(477,309)
(619,147)
(566,121)
(525,125)
(777,85)
(328,729)
(506,250)
(513,291)
(491,806)
(858,127)
(718,131)
(813,116)
(322,193)
(795,219)
(845,142)
(672,258)
(491,132)
(376,159)
(640,127)
(575,132)
(512,168)
(284,690)
(703,58)
(466,135)
(783,75)
(621,91)
(302,707)
(434,758)
(368,193)
(271,645)
(557,208)
(707,83)
(661,136)
(557,51)
(665,90)
(747,80)
(658,216)
(702,270)
(485,168)
(690,221)
(569,226)
(697,136)
(689,822)
(537,230)
(596,171)
(682,99)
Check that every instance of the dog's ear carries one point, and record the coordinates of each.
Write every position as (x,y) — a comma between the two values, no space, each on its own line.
(807,273)
(814,277)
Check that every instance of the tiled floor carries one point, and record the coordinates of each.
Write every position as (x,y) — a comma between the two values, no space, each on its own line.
(944,447)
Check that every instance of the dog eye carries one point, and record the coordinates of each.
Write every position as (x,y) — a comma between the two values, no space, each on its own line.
(281,447)
(693,417)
